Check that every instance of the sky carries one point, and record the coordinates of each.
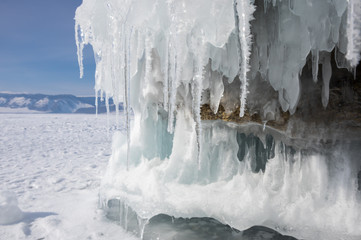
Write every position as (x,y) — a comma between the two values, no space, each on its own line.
(38,50)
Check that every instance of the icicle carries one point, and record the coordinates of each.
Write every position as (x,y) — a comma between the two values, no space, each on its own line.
(354,73)
(197,88)
(96,103)
(128,95)
(126,210)
(243,11)
(198,121)
(142,223)
(116,115)
(315,58)
(265,6)
(107,107)
(326,76)
(264,125)
(107,103)
(126,98)
(291,5)
(148,57)
(101,95)
(80,47)
(172,91)
(353,32)
(127,89)
(166,79)
(197,92)
(173,78)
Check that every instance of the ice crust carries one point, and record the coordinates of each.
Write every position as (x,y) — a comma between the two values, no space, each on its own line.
(165,59)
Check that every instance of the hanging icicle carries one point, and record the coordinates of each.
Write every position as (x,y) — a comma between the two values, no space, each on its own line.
(353,32)
(243,11)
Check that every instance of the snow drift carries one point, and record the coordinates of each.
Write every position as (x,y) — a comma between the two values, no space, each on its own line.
(9,211)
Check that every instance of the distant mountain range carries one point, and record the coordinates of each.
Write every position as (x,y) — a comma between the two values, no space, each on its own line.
(52,103)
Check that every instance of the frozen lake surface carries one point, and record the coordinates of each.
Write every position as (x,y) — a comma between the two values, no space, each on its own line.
(53,164)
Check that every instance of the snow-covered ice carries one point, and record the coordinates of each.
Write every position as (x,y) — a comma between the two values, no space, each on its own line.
(50,170)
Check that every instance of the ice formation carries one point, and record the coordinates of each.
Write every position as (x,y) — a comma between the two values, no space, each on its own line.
(167,59)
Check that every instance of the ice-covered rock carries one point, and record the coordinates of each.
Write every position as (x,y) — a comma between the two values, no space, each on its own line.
(271,67)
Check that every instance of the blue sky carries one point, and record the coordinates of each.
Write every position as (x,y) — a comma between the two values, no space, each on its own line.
(38,51)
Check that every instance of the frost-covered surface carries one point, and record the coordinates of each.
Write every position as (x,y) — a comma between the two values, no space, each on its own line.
(165,59)
(52,165)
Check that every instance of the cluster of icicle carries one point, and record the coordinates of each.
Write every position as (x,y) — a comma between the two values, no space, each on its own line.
(183,36)
(167,42)
(169,53)
(287,32)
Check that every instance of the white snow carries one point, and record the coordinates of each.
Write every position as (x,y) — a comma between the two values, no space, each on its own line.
(17,110)
(2,100)
(19,101)
(42,102)
(9,210)
(50,170)
(82,105)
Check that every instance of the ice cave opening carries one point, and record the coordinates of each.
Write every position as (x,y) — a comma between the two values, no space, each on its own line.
(243,117)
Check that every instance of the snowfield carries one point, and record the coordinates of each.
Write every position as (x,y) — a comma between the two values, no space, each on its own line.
(50,171)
